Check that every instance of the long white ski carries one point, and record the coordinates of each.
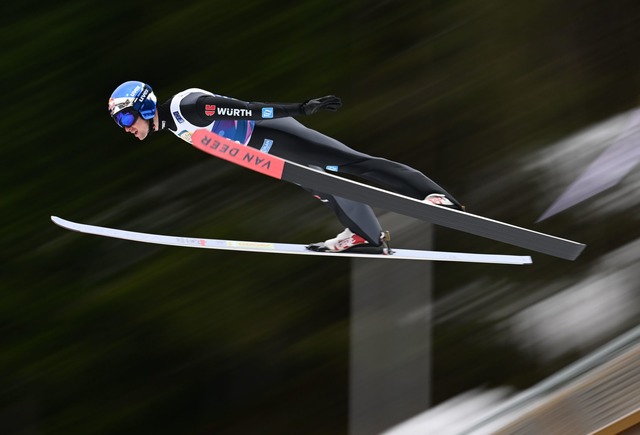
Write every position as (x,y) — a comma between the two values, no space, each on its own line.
(285,248)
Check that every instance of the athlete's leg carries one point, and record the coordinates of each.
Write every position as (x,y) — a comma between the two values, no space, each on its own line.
(293,141)
(356,216)
(277,137)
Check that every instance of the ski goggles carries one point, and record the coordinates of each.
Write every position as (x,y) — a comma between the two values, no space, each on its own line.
(126,118)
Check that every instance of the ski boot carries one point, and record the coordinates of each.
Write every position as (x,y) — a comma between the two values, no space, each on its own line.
(441,200)
(349,241)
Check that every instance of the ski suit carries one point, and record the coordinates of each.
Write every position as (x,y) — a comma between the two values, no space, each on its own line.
(271,128)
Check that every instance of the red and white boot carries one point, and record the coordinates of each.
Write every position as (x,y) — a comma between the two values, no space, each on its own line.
(350,241)
(438,199)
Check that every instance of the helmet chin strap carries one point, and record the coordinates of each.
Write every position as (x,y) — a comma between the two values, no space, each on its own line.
(152,125)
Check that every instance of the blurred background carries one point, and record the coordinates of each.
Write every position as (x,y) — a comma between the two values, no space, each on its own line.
(503,103)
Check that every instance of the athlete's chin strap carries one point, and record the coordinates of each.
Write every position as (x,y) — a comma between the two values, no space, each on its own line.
(152,126)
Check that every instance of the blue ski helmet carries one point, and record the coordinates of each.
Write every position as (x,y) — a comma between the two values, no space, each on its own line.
(132,95)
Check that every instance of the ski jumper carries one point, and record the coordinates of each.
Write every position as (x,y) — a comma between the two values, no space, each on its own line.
(271,128)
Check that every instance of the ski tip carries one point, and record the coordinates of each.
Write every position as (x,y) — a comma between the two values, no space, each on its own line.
(60,222)
(56,220)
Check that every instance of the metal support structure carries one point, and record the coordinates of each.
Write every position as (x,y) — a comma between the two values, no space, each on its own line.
(390,333)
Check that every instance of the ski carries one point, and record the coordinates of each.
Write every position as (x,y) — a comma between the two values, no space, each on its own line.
(321,181)
(284,248)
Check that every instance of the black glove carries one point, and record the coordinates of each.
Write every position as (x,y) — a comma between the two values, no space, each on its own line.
(330,103)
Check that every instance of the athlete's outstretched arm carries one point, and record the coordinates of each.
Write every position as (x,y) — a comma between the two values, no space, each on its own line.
(214,107)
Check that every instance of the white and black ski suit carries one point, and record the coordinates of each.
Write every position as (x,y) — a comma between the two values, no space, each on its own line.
(271,128)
